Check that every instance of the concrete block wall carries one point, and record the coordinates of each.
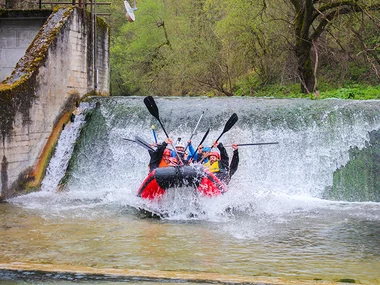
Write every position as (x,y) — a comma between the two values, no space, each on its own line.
(15,37)
(35,102)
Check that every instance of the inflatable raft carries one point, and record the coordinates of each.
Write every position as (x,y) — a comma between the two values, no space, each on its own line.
(165,179)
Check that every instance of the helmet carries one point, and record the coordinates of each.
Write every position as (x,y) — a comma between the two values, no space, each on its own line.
(214,153)
(180,144)
(206,149)
(167,152)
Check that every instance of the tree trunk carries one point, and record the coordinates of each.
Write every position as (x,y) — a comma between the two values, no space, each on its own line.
(311,19)
(305,67)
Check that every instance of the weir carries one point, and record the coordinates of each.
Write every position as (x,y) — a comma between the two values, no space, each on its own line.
(315,140)
(65,61)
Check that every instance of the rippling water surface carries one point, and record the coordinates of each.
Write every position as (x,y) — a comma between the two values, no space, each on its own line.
(311,239)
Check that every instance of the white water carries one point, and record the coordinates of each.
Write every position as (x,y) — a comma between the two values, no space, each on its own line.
(59,161)
(275,178)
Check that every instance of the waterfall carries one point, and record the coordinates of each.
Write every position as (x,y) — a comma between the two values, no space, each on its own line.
(63,151)
(314,141)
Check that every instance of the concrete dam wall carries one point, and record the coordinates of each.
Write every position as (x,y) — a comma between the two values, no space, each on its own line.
(62,64)
(15,37)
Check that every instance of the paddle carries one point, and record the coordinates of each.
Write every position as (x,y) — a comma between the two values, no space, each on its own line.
(153,109)
(204,137)
(194,130)
(130,140)
(230,123)
(141,142)
(248,144)
(154,134)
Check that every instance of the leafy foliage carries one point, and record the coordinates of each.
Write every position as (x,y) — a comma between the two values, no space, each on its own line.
(237,47)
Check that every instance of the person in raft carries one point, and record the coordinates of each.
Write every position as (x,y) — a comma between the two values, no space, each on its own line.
(161,157)
(219,163)
(202,154)
(180,152)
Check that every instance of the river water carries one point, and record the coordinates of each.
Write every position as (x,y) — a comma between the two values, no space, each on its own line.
(272,222)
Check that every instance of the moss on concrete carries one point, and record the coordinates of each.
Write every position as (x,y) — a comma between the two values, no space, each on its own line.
(17,92)
(17,95)
(358,179)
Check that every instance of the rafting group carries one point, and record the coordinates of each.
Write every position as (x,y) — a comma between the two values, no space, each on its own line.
(204,169)
(216,162)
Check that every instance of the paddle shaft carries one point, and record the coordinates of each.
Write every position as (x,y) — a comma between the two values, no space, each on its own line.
(248,144)
(154,134)
(194,131)
(141,143)
(130,140)
(197,125)
(204,137)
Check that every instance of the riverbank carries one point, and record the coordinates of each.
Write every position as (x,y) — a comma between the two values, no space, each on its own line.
(354,91)
(78,273)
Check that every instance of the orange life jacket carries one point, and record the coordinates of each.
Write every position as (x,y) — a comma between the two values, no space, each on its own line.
(163,163)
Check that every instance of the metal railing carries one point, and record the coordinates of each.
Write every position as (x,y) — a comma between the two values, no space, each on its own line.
(80,3)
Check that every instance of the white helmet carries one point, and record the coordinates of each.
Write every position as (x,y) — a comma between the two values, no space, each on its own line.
(180,144)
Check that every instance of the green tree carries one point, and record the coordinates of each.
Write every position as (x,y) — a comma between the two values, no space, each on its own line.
(311,18)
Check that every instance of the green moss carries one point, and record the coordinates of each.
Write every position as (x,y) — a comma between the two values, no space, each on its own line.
(17,91)
(358,179)
(347,280)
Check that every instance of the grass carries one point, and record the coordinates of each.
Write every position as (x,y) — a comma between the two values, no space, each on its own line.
(353,92)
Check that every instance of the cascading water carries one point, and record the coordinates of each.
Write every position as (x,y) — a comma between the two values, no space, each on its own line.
(58,163)
(274,209)
(314,140)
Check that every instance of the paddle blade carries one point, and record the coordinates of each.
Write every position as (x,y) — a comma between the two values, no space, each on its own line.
(143,143)
(153,109)
(230,123)
(151,106)
(130,140)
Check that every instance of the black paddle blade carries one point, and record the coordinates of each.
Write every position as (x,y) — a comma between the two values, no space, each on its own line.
(143,143)
(231,121)
(153,109)
(130,140)
(151,106)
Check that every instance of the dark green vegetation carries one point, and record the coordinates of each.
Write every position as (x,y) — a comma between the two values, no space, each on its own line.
(359,180)
(276,48)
